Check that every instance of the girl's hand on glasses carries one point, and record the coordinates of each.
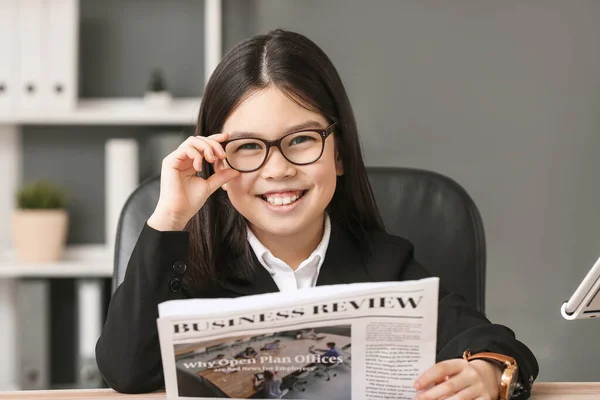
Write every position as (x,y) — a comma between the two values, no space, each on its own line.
(182,193)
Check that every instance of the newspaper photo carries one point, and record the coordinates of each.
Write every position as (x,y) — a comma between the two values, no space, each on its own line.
(352,341)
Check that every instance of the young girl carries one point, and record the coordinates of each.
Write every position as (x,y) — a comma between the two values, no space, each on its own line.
(272,194)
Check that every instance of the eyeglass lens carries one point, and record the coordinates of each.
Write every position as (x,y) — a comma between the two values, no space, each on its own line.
(249,154)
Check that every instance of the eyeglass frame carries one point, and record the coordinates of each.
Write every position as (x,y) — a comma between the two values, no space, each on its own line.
(323,134)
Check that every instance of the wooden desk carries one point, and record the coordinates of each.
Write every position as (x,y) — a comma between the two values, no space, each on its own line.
(84,394)
(566,390)
(541,391)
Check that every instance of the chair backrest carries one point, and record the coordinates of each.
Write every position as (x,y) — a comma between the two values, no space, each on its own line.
(431,210)
(440,218)
(137,209)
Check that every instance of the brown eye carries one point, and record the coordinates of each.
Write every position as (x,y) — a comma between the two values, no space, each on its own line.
(249,146)
(301,139)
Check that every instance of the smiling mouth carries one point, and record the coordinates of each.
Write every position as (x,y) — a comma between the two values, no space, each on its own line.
(283,199)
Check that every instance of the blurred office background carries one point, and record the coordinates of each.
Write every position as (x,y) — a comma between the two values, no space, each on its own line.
(503,97)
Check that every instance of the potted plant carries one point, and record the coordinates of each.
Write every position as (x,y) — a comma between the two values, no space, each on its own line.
(40,222)
(157,93)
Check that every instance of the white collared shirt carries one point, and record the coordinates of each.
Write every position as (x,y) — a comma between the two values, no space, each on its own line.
(284,276)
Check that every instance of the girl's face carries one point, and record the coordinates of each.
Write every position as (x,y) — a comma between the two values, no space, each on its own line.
(281,198)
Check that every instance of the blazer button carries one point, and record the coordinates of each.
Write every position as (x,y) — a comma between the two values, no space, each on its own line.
(179,267)
(175,284)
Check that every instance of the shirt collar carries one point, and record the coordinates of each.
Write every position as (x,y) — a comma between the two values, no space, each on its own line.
(263,253)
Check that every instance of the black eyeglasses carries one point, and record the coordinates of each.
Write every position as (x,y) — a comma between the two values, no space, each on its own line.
(300,148)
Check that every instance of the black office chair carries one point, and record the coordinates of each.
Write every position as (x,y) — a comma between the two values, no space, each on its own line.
(440,218)
(434,212)
(137,209)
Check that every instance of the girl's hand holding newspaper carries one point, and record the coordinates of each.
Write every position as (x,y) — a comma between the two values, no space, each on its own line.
(459,379)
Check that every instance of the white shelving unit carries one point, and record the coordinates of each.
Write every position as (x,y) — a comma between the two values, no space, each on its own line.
(122,111)
(85,263)
(105,111)
(93,261)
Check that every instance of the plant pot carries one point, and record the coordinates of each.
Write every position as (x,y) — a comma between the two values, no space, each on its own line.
(40,235)
(158,99)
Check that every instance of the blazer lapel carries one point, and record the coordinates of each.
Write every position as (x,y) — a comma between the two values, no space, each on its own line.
(259,282)
(343,262)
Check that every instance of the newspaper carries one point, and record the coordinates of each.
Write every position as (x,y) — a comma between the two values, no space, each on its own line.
(352,341)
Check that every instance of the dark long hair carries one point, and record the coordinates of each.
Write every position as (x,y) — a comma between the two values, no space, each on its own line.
(301,70)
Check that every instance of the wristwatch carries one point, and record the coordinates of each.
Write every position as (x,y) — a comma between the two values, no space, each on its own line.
(510,376)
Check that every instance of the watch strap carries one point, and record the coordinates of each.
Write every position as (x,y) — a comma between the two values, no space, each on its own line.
(508,364)
(505,361)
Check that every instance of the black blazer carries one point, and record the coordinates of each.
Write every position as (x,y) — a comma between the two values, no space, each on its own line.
(128,351)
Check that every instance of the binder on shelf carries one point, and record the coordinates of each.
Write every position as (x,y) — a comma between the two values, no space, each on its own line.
(30,18)
(8,336)
(121,179)
(8,49)
(33,334)
(60,53)
(89,317)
